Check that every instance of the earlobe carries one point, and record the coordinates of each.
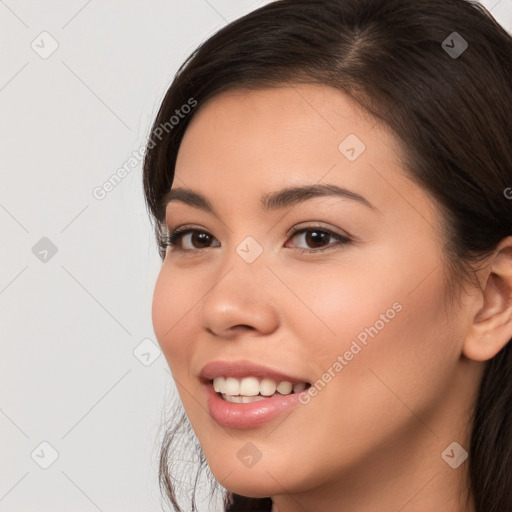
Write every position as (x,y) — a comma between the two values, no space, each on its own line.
(491,328)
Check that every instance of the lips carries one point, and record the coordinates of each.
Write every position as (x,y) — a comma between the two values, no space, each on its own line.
(243,368)
(255,413)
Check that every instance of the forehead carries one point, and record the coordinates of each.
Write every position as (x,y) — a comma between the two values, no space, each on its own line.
(243,144)
(284,119)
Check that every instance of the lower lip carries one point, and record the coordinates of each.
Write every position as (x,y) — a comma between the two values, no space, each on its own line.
(240,415)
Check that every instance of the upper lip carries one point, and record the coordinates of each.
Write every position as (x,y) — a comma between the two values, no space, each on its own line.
(243,368)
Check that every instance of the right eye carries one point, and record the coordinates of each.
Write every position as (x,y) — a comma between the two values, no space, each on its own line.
(175,239)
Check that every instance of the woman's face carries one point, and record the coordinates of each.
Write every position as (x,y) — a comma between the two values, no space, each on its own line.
(361,320)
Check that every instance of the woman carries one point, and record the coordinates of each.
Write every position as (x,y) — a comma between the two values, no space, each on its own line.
(370,370)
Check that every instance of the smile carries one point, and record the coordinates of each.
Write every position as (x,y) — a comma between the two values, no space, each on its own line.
(252,389)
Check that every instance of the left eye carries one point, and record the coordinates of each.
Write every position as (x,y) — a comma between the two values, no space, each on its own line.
(317,236)
(313,236)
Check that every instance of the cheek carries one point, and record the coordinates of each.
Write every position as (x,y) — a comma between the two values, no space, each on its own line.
(375,337)
(334,305)
(172,302)
(396,349)
(397,357)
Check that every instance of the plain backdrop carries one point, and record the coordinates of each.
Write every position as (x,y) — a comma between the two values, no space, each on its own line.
(84,386)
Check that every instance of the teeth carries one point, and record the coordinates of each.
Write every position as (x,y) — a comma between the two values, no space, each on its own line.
(242,399)
(268,387)
(297,388)
(218,382)
(285,388)
(248,389)
(231,386)
(250,386)
(229,398)
(248,399)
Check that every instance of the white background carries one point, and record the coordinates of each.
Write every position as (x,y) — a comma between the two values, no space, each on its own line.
(69,325)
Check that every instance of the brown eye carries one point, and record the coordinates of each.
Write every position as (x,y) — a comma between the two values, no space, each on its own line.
(199,239)
(315,237)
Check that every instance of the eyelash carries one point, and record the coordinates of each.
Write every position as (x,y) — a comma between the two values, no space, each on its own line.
(172,239)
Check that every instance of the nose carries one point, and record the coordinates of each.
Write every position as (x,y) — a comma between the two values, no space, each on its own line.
(242,297)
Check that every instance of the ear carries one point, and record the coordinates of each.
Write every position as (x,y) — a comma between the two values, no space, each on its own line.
(491,327)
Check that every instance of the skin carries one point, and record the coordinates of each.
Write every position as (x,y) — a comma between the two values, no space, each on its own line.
(372,438)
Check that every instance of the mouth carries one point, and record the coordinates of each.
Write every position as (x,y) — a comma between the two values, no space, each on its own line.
(245,394)
(252,389)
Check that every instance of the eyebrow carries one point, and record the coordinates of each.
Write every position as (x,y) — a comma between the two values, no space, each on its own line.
(272,201)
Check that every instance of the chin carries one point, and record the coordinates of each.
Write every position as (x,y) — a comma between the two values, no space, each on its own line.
(259,481)
(252,487)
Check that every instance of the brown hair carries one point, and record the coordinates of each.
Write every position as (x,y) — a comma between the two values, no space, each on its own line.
(449,106)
